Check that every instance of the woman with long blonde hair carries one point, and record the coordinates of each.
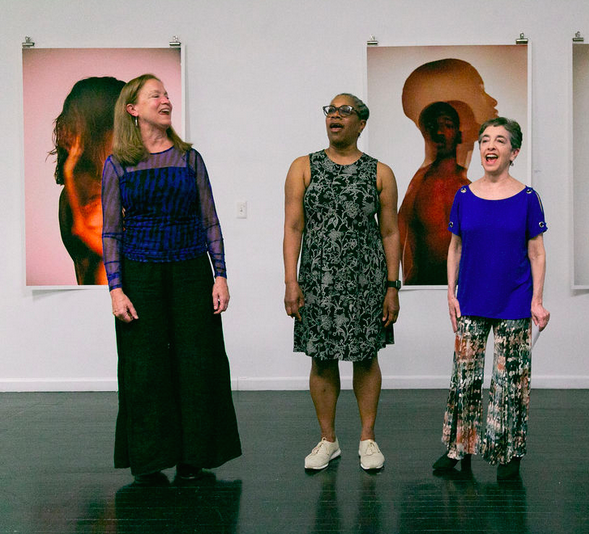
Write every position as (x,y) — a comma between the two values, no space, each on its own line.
(160,235)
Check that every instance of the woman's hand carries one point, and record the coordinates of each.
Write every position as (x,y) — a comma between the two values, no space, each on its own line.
(220,295)
(540,315)
(293,300)
(390,307)
(122,307)
(454,309)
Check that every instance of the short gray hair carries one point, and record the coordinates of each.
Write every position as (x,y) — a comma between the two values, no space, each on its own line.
(512,127)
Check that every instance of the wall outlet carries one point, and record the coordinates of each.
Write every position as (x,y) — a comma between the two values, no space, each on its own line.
(241,209)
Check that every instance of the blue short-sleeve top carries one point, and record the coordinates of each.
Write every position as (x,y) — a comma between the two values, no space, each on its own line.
(495,275)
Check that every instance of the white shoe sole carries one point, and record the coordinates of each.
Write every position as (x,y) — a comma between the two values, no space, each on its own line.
(368,468)
(332,457)
(371,468)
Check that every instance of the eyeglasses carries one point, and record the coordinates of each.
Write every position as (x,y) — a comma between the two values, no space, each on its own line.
(344,111)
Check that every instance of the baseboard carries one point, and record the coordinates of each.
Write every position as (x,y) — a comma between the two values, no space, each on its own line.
(280,383)
(398,382)
(443,382)
(302,383)
(55,385)
(560,382)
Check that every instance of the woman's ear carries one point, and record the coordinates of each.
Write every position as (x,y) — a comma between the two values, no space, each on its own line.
(362,126)
(131,110)
(514,153)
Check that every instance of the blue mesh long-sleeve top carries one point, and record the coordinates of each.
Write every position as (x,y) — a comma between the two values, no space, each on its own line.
(160,210)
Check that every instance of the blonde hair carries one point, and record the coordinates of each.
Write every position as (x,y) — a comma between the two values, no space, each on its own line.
(127,145)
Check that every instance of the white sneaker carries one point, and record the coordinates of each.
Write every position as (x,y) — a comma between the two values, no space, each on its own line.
(322,454)
(370,455)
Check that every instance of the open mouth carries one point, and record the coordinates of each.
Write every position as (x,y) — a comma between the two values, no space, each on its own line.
(335,126)
(491,158)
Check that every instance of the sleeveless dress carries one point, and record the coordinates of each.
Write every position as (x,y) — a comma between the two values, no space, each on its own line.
(343,269)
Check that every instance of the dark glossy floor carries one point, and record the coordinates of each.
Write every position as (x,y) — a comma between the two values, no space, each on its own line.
(56,472)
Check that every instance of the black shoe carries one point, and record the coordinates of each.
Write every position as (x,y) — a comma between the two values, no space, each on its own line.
(465,463)
(188,472)
(443,463)
(509,470)
(151,479)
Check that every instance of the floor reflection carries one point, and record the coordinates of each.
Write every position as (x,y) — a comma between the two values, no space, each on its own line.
(369,517)
(205,505)
(350,504)
(327,512)
(454,501)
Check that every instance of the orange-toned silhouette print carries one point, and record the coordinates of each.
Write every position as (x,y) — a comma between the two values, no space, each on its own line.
(447,101)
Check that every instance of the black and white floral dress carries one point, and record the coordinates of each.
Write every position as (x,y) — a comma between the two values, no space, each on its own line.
(343,270)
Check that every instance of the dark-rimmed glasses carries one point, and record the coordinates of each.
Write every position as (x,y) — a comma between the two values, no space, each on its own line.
(344,111)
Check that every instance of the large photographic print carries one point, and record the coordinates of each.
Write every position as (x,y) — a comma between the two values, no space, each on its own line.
(68,100)
(427,105)
(580,190)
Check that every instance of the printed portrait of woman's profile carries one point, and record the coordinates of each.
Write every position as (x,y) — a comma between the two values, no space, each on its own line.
(446,93)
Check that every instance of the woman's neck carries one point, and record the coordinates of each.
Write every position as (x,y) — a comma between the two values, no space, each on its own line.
(496,187)
(155,139)
(497,180)
(343,155)
(498,175)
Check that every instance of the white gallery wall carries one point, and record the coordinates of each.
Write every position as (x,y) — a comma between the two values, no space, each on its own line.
(257,74)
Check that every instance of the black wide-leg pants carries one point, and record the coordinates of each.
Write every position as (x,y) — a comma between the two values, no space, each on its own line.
(175,400)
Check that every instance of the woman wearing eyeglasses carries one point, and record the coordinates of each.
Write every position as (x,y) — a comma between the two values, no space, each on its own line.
(341,217)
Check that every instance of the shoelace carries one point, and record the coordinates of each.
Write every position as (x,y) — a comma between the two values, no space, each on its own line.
(371,448)
(318,447)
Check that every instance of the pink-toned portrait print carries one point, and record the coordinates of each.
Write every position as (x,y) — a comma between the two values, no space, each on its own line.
(68,101)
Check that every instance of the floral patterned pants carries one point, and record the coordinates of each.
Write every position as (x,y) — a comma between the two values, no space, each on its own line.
(509,394)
